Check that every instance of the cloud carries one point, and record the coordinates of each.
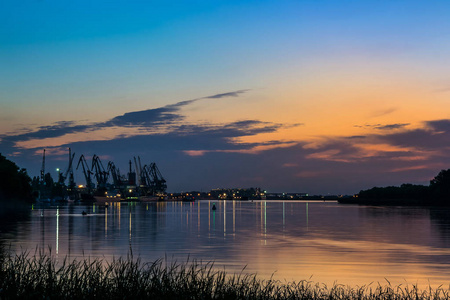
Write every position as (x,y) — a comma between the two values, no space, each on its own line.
(253,127)
(330,155)
(341,165)
(162,115)
(143,118)
(383,127)
(433,136)
(229,94)
(383,112)
(392,126)
(408,169)
(195,152)
(413,153)
(439,125)
(54,130)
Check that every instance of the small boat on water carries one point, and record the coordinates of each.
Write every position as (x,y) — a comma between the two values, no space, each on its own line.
(150,198)
(105,199)
(108,197)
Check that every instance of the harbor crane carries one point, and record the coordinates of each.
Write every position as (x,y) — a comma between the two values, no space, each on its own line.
(68,173)
(87,173)
(117,179)
(100,174)
(153,179)
(138,171)
(158,183)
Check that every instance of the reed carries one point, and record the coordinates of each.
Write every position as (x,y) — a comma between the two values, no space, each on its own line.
(38,275)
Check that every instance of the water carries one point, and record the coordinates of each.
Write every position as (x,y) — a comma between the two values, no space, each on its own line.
(325,241)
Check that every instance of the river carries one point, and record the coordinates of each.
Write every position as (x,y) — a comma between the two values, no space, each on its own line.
(325,242)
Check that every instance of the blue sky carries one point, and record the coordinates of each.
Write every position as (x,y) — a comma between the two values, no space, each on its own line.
(308,96)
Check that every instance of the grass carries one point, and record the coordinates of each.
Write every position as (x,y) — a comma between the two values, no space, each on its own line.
(38,275)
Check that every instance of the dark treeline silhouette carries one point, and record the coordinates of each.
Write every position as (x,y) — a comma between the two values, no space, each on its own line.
(440,185)
(14,181)
(437,193)
(48,188)
(405,191)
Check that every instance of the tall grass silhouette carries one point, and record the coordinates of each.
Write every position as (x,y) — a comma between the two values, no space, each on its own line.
(36,275)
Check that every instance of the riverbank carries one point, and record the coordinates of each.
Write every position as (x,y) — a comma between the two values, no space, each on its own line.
(395,201)
(30,276)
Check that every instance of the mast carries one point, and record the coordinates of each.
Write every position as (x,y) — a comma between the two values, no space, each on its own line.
(70,169)
(87,174)
(131,176)
(43,168)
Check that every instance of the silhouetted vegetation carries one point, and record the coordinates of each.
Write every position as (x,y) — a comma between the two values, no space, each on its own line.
(40,277)
(437,193)
(48,188)
(405,191)
(14,182)
(440,185)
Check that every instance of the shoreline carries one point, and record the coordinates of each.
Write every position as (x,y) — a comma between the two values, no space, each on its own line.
(395,202)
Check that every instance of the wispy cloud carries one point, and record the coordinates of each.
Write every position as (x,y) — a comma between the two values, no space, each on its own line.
(383,112)
(408,169)
(229,94)
(392,126)
(383,126)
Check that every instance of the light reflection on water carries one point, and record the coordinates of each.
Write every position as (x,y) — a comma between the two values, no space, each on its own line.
(295,240)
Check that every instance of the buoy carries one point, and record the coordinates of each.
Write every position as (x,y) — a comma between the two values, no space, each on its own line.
(214,206)
(84,213)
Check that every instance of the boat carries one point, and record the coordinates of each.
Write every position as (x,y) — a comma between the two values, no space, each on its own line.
(109,197)
(150,198)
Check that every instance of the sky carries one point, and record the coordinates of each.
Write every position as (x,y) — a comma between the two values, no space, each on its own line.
(320,97)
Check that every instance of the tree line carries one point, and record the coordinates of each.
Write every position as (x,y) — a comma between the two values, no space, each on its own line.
(437,192)
(14,181)
(16,184)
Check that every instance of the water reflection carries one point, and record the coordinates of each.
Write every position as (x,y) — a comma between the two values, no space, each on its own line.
(440,221)
(332,242)
(307,212)
(224,218)
(57,230)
